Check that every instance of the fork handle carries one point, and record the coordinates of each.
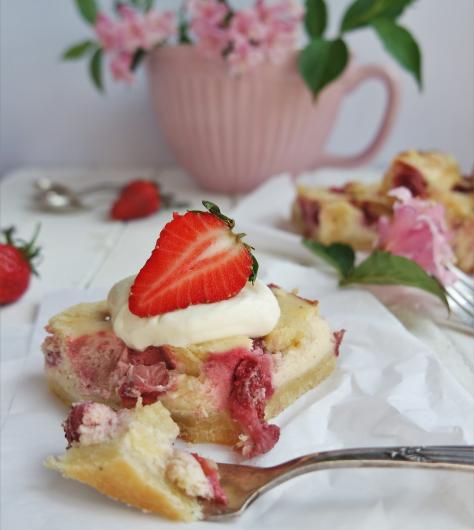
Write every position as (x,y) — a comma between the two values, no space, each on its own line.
(454,457)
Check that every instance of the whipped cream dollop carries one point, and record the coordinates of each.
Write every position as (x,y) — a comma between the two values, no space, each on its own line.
(253,312)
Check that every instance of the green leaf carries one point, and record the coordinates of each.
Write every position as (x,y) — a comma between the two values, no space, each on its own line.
(339,255)
(315,20)
(144,5)
(401,45)
(183,26)
(88,10)
(394,9)
(95,70)
(383,268)
(137,59)
(183,31)
(362,12)
(183,34)
(322,61)
(79,50)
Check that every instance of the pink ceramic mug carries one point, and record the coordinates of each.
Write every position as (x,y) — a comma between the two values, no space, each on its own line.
(232,133)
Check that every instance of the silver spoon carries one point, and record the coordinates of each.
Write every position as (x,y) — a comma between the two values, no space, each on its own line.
(55,197)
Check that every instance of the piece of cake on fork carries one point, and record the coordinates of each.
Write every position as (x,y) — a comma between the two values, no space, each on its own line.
(129,455)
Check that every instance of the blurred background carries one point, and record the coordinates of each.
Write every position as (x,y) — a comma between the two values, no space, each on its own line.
(51,115)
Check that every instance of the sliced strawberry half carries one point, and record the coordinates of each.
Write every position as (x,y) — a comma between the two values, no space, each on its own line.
(197,260)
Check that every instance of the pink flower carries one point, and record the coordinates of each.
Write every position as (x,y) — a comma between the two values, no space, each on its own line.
(278,45)
(244,56)
(109,33)
(134,29)
(159,27)
(418,231)
(283,21)
(247,24)
(247,37)
(207,25)
(212,11)
(120,67)
(287,9)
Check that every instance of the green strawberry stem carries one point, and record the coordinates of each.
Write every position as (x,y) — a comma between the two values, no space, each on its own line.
(29,250)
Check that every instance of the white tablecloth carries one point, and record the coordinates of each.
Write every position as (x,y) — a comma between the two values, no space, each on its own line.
(86,250)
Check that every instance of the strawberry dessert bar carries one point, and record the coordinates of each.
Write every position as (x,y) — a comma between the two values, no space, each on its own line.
(350,213)
(198,332)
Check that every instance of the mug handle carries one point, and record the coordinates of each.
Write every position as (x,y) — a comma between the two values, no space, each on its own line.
(354,79)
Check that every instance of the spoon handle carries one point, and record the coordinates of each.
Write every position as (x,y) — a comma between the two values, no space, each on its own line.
(99,187)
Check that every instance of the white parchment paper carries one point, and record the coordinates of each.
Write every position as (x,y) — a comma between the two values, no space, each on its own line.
(388,389)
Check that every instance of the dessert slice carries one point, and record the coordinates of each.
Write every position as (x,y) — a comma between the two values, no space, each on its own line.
(197,331)
(129,456)
(346,214)
(350,213)
(221,390)
(424,173)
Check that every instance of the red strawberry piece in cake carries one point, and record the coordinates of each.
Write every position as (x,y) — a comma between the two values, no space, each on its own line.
(409,177)
(251,388)
(139,198)
(52,351)
(147,382)
(465,185)
(104,368)
(242,384)
(339,189)
(152,355)
(310,210)
(370,212)
(74,421)
(197,260)
(209,468)
(90,423)
(144,374)
(94,358)
(338,336)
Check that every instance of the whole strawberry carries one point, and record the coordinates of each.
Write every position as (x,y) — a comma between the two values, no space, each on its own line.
(16,266)
(139,198)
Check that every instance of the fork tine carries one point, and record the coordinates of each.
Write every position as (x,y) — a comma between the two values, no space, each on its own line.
(462,276)
(467,295)
(458,307)
(456,324)
(461,300)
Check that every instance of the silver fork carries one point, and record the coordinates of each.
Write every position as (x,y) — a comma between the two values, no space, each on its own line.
(244,484)
(461,301)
